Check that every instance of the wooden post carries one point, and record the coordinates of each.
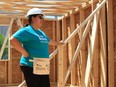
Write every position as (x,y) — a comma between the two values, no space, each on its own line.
(65,49)
(82,52)
(10,71)
(72,49)
(60,67)
(60,58)
(91,50)
(103,74)
(6,68)
(58,30)
(10,63)
(96,57)
(54,62)
(58,39)
(110,44)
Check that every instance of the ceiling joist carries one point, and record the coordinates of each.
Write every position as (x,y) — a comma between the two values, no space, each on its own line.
(53,7)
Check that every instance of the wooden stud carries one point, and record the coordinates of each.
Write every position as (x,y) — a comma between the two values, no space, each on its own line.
(10,72)
(60,67)
(58,39)
(96,58)
(54,60)
(65,49)
(58,30)
(77,49)
(110,44)
(10,62)
(6,67)
(72,49)
(91,50)
(103,49)
(60,56)
(9,66)
(82,52)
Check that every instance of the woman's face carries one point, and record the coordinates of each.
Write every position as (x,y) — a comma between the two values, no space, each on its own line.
(38,20)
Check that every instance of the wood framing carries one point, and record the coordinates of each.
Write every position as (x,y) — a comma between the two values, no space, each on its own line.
(72,50)
(110,44)
(91,50)
(87,57)
(95,67)
(58,34)
(103,52)
(49,8)
(60,82)
(54,60)
(6,38)
(65,49)
(82,52)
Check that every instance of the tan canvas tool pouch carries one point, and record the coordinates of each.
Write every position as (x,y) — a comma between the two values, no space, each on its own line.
(41,66)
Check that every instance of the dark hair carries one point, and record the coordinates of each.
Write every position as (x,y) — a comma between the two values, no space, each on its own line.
(30,18)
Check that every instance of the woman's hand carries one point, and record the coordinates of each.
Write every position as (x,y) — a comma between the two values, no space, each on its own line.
(61,43)
(25,54)
(52,42)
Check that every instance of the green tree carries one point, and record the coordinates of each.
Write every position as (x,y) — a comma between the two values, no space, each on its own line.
(5,54)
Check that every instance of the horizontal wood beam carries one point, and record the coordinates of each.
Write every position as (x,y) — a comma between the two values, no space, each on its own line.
(6,21)
(56,7)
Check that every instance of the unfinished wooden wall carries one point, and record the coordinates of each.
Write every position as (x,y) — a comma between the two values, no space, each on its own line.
(58,30)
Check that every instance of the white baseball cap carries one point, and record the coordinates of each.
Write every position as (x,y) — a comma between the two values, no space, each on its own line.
(34,11)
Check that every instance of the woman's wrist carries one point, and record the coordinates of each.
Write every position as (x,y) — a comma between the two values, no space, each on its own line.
(25,53)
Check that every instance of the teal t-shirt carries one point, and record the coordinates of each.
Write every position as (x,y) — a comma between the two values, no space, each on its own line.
(35,42)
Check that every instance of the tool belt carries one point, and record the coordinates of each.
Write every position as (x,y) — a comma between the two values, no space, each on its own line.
(41,66)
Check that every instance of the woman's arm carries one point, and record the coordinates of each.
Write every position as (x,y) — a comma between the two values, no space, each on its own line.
(18,46)
(52,42)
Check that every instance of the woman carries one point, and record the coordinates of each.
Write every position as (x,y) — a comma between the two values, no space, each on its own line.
(31,42)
